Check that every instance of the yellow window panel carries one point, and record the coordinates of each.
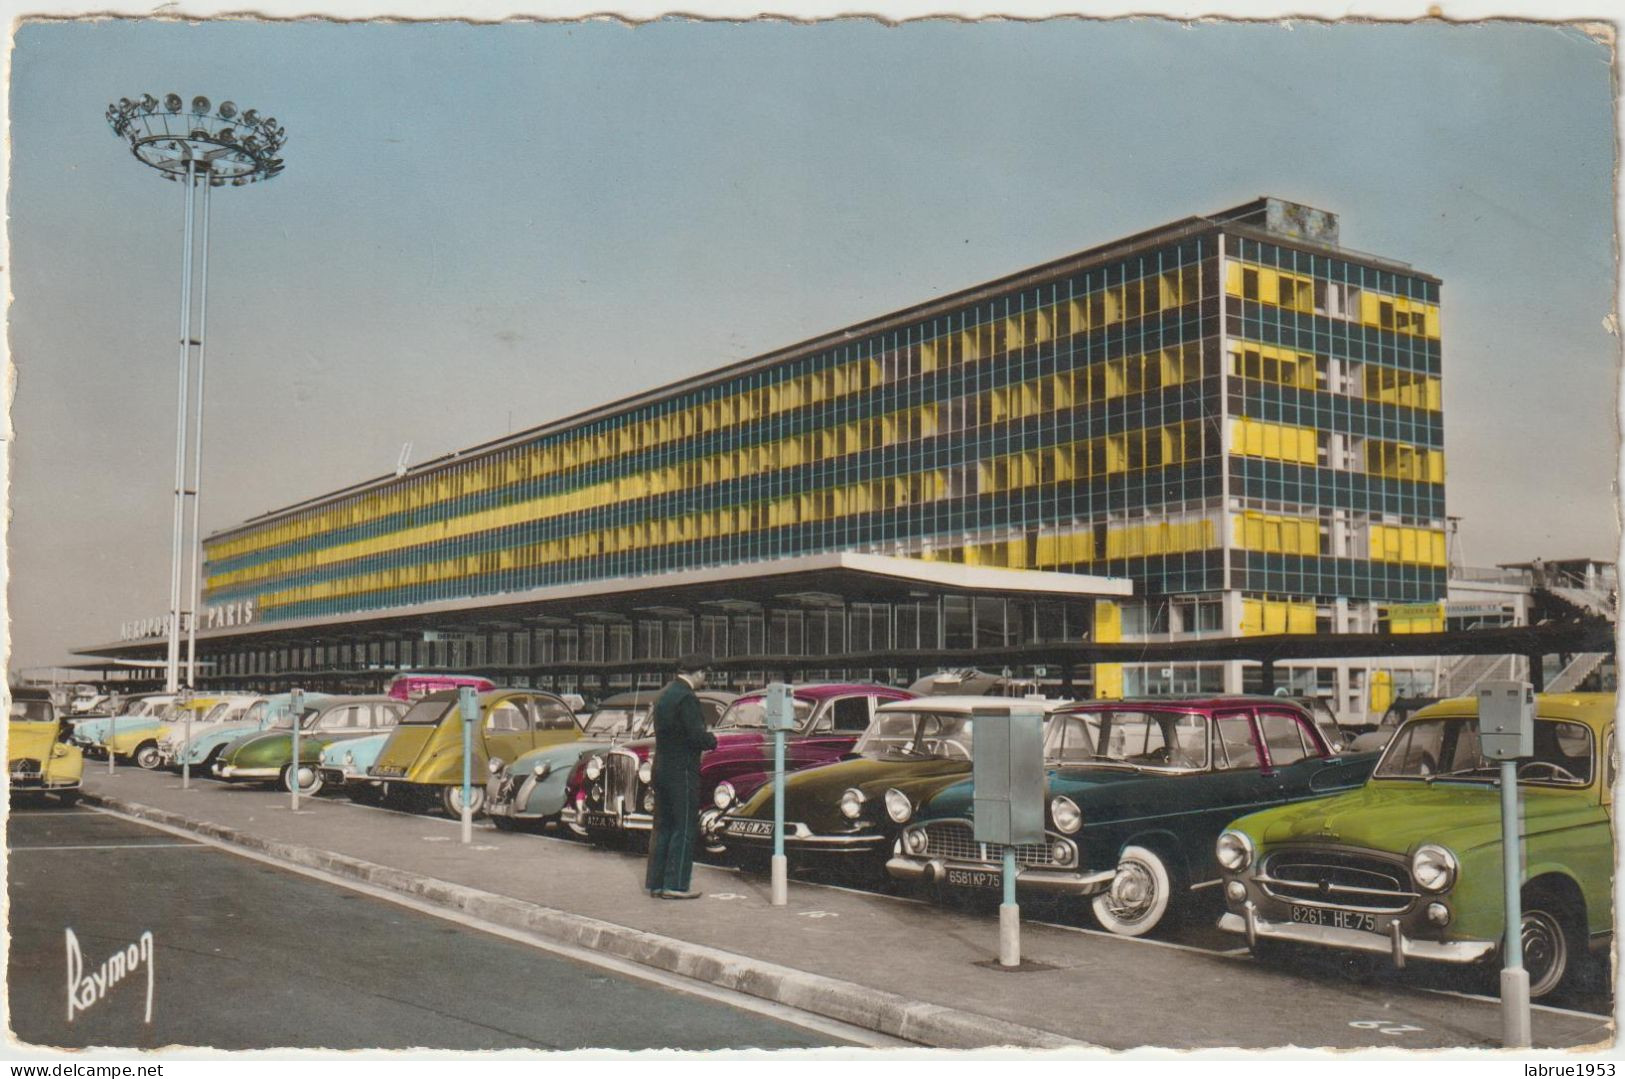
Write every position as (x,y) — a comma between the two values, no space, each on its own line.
(1300,618)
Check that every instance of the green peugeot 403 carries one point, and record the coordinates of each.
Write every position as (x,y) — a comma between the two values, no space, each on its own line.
(1409,866)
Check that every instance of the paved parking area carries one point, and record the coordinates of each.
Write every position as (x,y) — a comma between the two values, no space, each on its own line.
(245,955)
(1083,985)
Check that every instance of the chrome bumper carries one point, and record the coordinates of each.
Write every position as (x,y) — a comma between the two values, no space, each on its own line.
(798,836)
(1029,878)
(227,771)
(1392,942)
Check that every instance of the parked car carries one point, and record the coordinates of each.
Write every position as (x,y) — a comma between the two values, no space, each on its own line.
(409,686)
(40,756)
(139,741)
(423,759)
(1409,866)
(344,765)
(204,749)
(267,756)
(851,810)
(531,790)
(1136,793)
(139,712)
(614,797)
(229,711)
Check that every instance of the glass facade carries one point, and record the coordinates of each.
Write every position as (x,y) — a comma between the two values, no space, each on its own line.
(1206,408)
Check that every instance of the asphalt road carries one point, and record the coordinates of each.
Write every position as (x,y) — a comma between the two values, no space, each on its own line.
(246,956)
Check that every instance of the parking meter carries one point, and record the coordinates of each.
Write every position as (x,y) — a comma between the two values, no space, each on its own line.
(1506,733)
(469,707)
(779,713)
(296,710)
(1007,791)
(185,701)
(1506,720)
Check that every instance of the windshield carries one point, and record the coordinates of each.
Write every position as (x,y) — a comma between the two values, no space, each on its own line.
(917,735)
(255,713)
(218,713)
(751,714)
(284,722)
(26,711)
(428,712)
(1448,748)
(1164,741)
(613,722)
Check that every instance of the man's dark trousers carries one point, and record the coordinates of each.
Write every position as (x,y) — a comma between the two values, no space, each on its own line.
(680,739)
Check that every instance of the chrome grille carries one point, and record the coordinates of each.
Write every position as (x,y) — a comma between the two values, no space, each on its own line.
(26,766)
(1337,878)
(955,841)
(621,778)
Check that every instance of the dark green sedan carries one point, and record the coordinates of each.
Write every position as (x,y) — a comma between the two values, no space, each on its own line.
(849,813)
(1137,793)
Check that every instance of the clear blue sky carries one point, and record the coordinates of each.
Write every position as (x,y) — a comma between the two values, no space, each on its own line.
(492,226)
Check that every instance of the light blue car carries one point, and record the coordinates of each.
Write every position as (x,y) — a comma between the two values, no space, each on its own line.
(344,765)
(530,792)
(203,749)
(139,712)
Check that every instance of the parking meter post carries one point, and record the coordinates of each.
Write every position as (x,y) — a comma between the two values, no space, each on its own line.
(296,707)
(1515,1018)
(1009,915)
(186,766)
(778,712)
(1506,733)
(470,711)
(112,731)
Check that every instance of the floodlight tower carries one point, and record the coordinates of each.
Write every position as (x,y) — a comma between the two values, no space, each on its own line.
(208,149)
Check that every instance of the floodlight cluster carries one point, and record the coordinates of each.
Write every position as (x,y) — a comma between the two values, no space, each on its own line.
(223,144)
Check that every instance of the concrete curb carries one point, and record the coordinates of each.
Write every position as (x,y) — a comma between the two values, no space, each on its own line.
(933,1025)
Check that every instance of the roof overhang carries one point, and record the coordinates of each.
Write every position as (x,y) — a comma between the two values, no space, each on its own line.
(805,581)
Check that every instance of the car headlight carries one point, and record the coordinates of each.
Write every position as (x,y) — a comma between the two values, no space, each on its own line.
(494,766)
(1065,813)
(1433,868)
(349,759)
(595,767)
(851,803)
(898,807)
(1060,852)
(540,769)
(1234,850)
(723,796)
(646,772)
(914,840)
(649,800)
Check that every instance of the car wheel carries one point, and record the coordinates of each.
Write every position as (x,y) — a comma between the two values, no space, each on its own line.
(364,793)
(147,756)
(1547,943)
(451,800)
(1139,896)
(310,780)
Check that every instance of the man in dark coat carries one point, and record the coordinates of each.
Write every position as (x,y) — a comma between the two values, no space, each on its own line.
(680,739)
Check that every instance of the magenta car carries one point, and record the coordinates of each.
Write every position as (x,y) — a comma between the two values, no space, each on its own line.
(610,795)
(408,686)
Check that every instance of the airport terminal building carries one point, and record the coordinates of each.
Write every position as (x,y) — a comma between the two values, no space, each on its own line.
(1225,426)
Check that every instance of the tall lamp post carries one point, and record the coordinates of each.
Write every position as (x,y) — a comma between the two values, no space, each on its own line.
(202,147)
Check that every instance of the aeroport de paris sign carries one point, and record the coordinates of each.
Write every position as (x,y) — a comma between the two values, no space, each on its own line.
(217,616)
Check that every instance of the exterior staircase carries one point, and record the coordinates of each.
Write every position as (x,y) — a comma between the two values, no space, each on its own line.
(1576,672)
(1464,674)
